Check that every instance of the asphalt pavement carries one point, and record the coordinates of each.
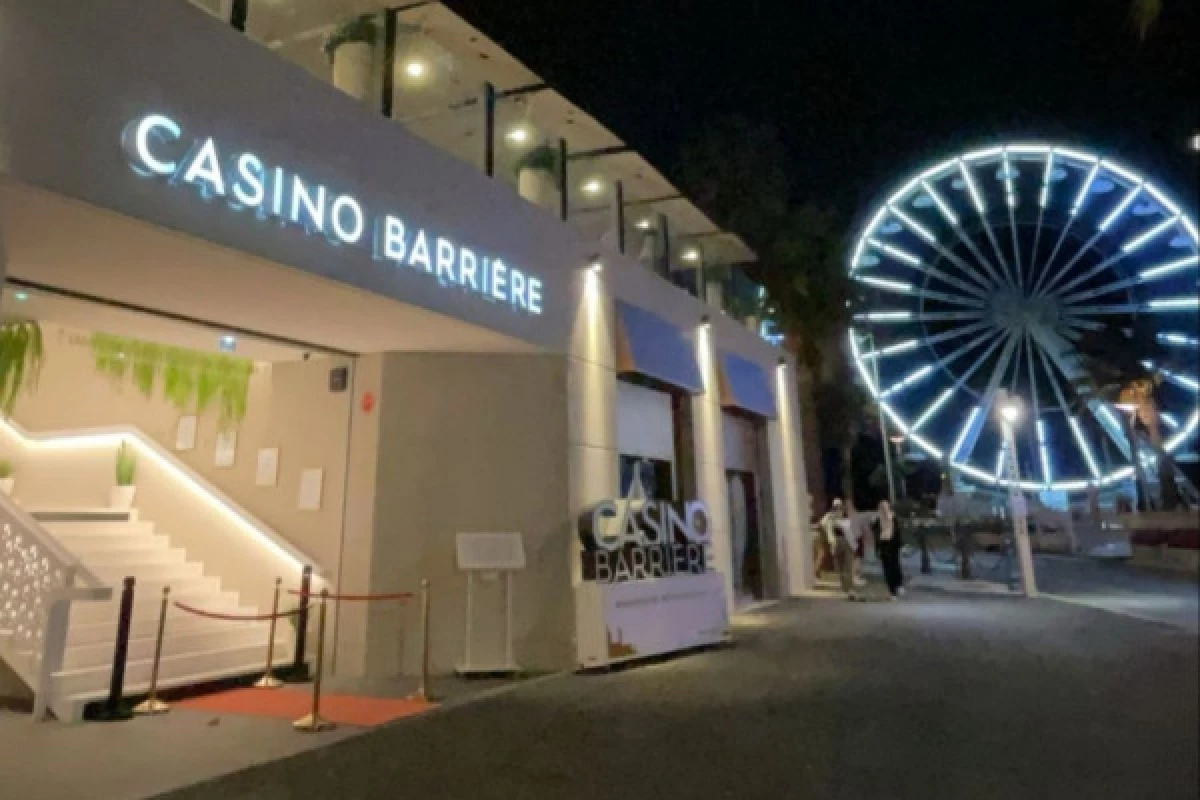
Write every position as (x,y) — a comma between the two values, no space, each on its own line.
(936,696)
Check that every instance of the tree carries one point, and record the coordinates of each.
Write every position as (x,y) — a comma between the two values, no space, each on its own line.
(1144,14)
(1122,366)
(737,172)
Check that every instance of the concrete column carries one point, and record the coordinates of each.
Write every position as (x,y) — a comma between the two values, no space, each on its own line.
(592,408)
(789,486)
(708,435)
(358,521)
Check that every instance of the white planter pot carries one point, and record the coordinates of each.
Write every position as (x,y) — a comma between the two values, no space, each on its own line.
(352,68)
(538,186)
(6,485)
(121,497)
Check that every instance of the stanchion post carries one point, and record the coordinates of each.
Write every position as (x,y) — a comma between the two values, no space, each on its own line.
(422,692)
(152,705)
(268,680)
(113,711)
(299,671)
(312,723)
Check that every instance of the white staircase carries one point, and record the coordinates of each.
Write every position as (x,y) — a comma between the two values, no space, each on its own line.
(113,545)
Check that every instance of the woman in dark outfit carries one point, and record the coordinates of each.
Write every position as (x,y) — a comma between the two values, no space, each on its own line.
(888,538)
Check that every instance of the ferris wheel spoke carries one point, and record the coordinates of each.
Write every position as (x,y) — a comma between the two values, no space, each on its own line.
(1072,421)
(957,331)
(981,209)
(903,287)
(1066,268)
(1044,270)
(1087,276)
(946,316)
(1039,431)
(1078,323)
(1159,305)
(1043,201)
(969,435)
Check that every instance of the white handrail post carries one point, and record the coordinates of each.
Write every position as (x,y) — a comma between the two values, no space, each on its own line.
(54,644)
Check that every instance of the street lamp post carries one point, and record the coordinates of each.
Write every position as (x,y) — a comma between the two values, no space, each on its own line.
(1009,410)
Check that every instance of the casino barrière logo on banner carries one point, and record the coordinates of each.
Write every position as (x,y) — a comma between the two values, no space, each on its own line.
(635,538)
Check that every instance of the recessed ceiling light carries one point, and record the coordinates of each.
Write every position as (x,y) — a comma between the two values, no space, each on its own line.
(644,224)
(21,297)
(593,186)
(518,135)
(691,254)
(228,343)
(415,69)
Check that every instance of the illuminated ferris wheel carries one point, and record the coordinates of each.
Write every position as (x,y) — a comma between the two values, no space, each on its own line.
(982,273)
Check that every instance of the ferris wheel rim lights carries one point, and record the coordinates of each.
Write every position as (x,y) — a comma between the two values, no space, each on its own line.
(924,189)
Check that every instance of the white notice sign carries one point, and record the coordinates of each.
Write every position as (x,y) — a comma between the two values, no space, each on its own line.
(490,551)
(311,483)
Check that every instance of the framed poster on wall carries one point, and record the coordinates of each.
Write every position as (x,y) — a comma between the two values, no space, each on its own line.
(226,450)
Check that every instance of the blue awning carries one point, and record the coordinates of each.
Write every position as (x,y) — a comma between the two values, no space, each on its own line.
(746,387)
(649,345)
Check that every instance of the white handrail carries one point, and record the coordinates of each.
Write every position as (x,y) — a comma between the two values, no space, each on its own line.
(114,435)
(47,540)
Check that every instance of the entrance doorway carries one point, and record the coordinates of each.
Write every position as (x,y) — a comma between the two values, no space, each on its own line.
(746,535)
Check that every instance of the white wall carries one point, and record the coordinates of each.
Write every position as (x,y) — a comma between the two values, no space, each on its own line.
(289,407)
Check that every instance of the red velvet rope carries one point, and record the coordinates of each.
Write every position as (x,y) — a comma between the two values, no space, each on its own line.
(355,597)
(234,617)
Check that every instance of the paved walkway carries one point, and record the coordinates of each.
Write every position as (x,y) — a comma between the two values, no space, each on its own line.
(937,696)
(1156,595)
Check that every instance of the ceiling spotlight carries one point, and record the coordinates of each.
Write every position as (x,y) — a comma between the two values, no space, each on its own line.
(691,255)
(645,224)
(596,265)
(593,186)
(228,343)
(415,69)
(21,297)
(705,322)
(518,135)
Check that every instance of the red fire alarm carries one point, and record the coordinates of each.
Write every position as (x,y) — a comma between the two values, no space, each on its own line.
(368,402)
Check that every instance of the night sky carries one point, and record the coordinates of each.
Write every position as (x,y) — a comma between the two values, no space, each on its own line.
(863,91)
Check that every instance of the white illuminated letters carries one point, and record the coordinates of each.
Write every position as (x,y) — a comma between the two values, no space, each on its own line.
(203,169)
(156,148)
(249,189)
(337,219)
(445,262)
(138,136)
(420,253)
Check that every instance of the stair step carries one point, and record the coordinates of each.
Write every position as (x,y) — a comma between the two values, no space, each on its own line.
(83,544)
(69,529)
(132,558)
(167,573)
(148,603)
(45,515)
(184,643)
(145,620)
(83,685)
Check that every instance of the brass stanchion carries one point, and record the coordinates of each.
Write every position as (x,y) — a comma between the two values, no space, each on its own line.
(312,723)
(268,680)
(422,692)
(152,705)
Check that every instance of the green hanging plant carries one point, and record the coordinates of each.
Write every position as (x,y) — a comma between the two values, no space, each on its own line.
(21,357)
(356,29)
(543,158)
(191,381)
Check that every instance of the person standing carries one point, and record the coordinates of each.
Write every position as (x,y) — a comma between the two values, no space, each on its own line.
(826,544)
(889,544)
(843,540)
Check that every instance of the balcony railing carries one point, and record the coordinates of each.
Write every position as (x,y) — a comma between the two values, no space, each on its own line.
(423,67)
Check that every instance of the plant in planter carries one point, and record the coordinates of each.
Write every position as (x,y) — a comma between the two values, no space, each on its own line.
(537,174)
(6,477)
(122,494)
(21,356)
(350,48)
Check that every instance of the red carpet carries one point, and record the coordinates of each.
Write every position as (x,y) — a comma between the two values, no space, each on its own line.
(293,703)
